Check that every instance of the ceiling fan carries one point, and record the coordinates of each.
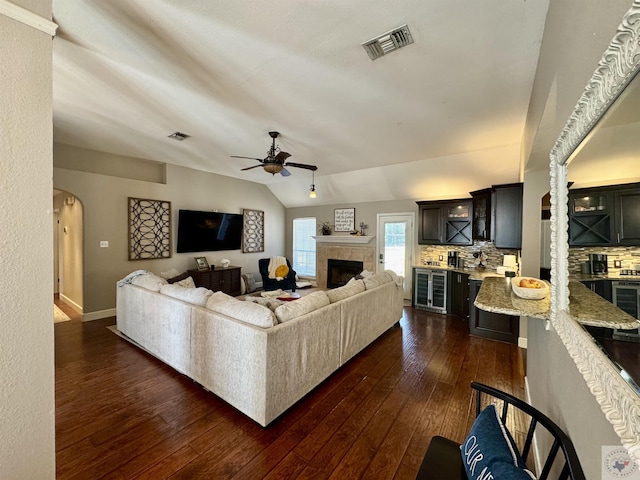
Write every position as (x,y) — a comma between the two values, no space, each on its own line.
(274,161)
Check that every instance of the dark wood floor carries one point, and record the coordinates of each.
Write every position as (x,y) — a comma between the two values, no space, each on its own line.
(120,413)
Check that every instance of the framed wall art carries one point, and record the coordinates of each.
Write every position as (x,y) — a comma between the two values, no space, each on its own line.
(344,219)
(149,229)
(253,231)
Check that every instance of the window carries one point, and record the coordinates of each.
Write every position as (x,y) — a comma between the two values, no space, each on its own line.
(304,246)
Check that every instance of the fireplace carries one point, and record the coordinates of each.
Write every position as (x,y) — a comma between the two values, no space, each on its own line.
(339,272)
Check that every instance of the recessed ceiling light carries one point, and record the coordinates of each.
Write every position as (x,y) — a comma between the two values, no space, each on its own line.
(179,136)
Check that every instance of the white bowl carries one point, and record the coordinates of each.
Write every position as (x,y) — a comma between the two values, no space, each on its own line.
(529,293)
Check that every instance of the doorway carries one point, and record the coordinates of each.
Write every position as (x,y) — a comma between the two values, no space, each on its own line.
(396,244)
(68,237)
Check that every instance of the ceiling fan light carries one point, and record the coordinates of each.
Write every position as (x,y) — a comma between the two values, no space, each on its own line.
(312,192)
(273,168)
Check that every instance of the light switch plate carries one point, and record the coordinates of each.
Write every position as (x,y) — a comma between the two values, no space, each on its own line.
(104,244)
(617,263)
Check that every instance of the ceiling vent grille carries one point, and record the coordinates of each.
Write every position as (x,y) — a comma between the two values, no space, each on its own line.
(388,42)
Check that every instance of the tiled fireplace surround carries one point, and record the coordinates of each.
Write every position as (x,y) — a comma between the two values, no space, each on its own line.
(362,253)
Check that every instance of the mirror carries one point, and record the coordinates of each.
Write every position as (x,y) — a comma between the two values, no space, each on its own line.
(608,156)
(604,157)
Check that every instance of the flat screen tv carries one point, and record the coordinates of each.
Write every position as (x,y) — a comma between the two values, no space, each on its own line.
(208,231)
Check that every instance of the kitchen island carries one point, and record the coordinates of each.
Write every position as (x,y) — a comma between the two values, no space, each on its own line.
(585,307)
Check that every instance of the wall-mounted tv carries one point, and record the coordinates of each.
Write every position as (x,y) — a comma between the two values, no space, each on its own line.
(208,231)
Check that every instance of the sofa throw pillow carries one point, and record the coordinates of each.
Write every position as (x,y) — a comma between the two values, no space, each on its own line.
(149,281)
(297,308)
(186,283)
(196,296)
(353,287)
(270,303)
(247,312)
(489,450)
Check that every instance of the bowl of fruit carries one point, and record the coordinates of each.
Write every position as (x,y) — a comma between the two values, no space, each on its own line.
(529,288)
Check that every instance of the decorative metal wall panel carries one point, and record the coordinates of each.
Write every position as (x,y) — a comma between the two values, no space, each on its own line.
(253,231)
(149,229)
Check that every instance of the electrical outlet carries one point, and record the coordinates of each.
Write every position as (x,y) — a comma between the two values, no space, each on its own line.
(440,257)
(617,263)
(104,244)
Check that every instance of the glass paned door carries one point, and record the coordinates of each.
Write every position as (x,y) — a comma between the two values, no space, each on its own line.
(395,245)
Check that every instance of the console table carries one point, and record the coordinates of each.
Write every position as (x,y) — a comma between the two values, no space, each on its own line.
(222,279)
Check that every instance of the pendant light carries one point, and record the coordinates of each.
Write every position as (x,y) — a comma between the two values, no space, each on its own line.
(312,190)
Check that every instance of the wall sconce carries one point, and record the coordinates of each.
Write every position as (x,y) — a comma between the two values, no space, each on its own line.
(70,200)
(312,190)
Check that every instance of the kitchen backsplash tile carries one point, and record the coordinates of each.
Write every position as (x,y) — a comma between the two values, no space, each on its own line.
(492,256)
(627,255)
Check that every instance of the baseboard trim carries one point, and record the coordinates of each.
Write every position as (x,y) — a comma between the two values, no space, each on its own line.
(71,303)
(88,317)
(522,342)
(536,453)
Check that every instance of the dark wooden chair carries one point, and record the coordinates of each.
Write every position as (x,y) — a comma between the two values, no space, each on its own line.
(443,460)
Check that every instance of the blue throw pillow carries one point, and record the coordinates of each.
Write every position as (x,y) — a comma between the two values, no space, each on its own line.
(489,451)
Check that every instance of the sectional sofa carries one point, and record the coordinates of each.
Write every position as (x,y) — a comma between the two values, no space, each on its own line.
(260,359)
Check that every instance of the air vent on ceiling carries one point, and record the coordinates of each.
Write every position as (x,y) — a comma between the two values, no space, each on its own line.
(179,136)
(388,42)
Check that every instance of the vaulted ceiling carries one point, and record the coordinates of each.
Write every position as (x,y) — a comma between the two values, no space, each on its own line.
(435,119)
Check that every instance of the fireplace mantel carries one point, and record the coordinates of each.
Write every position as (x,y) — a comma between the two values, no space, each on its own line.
(350,239)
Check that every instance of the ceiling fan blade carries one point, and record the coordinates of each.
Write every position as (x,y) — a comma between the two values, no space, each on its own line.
(301,165)
(249,158)
(285,173)
(281,157)
(249,168)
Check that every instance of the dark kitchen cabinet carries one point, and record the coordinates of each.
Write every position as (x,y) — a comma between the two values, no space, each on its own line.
(459,294)
(506,206)
(457,216)
(627,204)
(601,287)
(591,218)
(605,216)
(491,325)
(481,214)
(430,223)
(445,222)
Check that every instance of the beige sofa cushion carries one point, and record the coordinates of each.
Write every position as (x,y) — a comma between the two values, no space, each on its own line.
(349,290)
(149,281)
(376,280)
(218,297)
(246,312)
(297,308)
(196,296)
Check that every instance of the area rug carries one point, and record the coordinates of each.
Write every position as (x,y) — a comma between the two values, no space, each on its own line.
(59,315)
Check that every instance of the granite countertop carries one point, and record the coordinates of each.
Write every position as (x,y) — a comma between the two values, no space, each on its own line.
(585,306)
(474,273)
(589,308)
(496,296)
(581,277)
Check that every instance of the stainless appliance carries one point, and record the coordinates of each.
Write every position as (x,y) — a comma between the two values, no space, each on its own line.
(598,264)
(626,296)
(452,259)
(430,290)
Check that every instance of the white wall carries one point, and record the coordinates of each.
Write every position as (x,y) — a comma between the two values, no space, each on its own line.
(26,247)
(104,199)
